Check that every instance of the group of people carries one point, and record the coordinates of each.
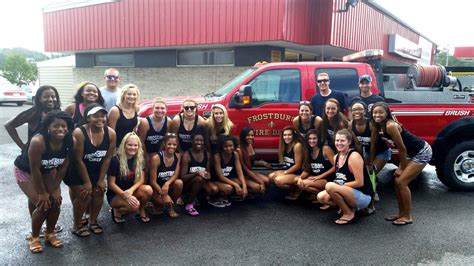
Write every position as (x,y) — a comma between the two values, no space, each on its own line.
(146,166)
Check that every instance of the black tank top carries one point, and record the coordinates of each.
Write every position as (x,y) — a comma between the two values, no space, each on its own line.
(195,166)
(124,125)
(185,135)
(78,118)
(365,137)
(49,159)
(303,131)
(413,144)
(166,172)
(289,160)
(344,175)
(153,138)
(319,165)
(93,156)
(228,169)
(214,141)
(330,136)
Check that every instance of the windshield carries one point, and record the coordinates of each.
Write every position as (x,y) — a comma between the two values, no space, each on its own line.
(226,88)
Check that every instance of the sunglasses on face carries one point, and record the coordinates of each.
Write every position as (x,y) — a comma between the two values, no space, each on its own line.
(323,80)
(112,78)
(187,108)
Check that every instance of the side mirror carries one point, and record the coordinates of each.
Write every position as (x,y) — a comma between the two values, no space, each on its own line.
(243,97)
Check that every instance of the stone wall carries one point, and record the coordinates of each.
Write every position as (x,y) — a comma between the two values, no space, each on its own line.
(172,81)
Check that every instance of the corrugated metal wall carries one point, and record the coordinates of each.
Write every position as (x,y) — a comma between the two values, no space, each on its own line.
(364,27)
(149,23)
(61,78)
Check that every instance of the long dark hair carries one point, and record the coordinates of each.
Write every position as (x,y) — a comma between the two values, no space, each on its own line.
(339,120)
(282,144)
(385,106)
(223,139)
(78,98)
(49,119)
(243,134)
(39,93)
(309,150)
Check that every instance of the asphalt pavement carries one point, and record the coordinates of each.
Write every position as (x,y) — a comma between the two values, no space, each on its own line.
(265,230)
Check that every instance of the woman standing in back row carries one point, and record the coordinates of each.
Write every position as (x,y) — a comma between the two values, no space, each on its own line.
(123,117)
(184,124)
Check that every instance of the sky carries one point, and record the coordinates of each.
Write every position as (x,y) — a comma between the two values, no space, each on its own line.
(447,23)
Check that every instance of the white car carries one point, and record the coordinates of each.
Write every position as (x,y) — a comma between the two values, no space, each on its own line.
(30,93)
(12,94)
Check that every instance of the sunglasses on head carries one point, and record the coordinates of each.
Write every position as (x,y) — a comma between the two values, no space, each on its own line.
(112,77)
(187,108)
(170,134)
(305,102)
(323,80)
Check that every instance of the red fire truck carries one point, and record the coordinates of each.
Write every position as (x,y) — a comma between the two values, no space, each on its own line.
(425,99)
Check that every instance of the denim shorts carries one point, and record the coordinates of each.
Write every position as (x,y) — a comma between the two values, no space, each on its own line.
(424,155)
(386,155)
(362,200)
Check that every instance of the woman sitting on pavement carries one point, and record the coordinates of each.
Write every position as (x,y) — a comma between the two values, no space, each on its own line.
(318,167)
(39,172)
(164,173)
(351,190)
(127,192)
(249,159)
(95,146)
(291,153)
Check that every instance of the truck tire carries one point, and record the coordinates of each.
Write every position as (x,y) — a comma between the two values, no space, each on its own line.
(457,172)
(19,103)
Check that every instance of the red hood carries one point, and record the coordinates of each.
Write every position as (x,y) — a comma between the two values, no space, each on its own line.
(174,105)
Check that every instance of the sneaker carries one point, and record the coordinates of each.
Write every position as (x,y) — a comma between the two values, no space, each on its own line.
(216,203)
(226,202)
(376,196)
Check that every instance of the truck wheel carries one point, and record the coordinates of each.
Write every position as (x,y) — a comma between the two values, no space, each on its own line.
(458,168)
(19,103)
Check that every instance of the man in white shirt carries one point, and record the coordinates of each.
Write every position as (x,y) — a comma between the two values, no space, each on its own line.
(110,91)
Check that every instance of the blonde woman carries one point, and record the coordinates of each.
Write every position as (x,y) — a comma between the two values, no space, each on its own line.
(127,191)
(153,128)
(184,124)
(218,124)
(123,117)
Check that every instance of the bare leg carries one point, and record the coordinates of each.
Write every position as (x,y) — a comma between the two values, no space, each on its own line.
(411,171)
(344,198)
(96,204)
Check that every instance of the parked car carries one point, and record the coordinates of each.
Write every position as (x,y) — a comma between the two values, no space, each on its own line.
(12,94)
(30,93)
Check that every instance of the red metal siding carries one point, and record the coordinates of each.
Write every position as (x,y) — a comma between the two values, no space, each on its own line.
(148,23)
(364,27)
(464,52)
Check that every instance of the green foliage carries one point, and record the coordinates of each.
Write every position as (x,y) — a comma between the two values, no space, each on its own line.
(18,70)
(440,58)
(31,56)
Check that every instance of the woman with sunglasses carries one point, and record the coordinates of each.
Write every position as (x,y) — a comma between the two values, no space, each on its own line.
(306,120)
(333,121)
(195,171)
(127,191)
(318,168)
(351,190)
(87,93)
(414,153)
(249,160)
(95,146)
(291,153)
(123,117)
(218,124)
(39,171)
(153,128)
(184,124)
(164,173)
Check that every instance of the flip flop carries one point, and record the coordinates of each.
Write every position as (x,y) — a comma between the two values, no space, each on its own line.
(325,207)
(116,219)
(391,218)
(344,221)
(81,232)
(399,222)
(35,245)
(142,219)
(96,229)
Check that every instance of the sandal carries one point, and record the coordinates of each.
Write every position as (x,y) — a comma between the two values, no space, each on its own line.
(81,231)
(116,219)
(401,222)
(344,221)
(191,211)
(325,207)
(142,219)
(96,229)
(53,240)
(35,245)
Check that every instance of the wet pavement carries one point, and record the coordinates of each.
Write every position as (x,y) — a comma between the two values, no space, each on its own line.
(265,230)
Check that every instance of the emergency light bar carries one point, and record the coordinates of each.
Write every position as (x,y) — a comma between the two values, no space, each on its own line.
(363,54)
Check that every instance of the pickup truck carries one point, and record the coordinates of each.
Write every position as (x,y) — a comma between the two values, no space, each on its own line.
(266,97)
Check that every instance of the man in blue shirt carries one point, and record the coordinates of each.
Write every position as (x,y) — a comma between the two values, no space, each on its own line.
(366,95)
(324,93)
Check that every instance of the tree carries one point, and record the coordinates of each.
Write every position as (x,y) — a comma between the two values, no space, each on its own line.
(440,58)
(18,70)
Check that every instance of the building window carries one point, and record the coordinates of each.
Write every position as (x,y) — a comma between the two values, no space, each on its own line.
(114,60)
(205,57)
